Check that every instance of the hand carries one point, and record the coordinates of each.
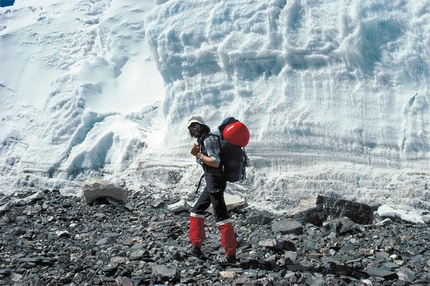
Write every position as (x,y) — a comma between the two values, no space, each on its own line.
(196,149)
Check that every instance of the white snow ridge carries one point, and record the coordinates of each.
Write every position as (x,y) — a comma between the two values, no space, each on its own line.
(335,94)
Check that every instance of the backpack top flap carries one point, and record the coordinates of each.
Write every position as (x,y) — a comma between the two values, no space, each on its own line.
(234,132)
(224,123)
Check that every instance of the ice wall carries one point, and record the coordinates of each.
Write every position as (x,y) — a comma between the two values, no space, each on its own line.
(314,80)
(335,94)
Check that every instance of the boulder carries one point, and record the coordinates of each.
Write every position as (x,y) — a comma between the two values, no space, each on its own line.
(287,227)
(103,189)
(232,202)
(261,218)
(275,244)
(317,209)
(178,207)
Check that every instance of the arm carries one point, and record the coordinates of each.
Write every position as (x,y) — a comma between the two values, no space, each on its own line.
(212,159)
(206,159)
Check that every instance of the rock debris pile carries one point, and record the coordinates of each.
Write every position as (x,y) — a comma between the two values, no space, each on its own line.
(50,239)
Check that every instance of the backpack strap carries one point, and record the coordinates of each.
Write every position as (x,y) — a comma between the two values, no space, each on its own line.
(201,140)
(203,149)
(246,163)
(205,167)
(200,183)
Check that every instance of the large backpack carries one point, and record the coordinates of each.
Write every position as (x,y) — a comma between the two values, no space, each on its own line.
(234,136)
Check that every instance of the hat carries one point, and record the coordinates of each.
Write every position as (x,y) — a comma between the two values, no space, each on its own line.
(196,119)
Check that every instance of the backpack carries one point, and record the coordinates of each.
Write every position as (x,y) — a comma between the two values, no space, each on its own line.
(234,136)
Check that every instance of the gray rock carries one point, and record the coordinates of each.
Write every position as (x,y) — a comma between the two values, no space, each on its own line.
(164,272)
(5,208)
(387,275)
(101,188)
(340,225)
(62,233)
(112,266)
(349,247)
(286,245)
(260,218)
(316,280)
(30,199)
(104,243)
(390,266)
(231,201)
(180,206)
(270,243)
(158,203)
(15,277)
(287,227)
(317,209)
(384,222)
(273,243)
(137,254)
(124,281)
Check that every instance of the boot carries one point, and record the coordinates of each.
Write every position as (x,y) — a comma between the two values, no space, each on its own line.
(193,250)
(224,259)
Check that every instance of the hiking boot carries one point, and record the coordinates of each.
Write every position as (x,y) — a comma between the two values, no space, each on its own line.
(224,259)
(193,250)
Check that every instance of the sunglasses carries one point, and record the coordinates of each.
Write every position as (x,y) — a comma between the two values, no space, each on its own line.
(194,126)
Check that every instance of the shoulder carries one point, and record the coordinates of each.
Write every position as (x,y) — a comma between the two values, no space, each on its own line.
(209,136)
(212,137)
(211,141)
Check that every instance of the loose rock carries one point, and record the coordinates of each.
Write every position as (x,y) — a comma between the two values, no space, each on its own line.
(49,239)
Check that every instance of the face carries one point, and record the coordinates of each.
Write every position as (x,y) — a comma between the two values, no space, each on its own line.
(195,129)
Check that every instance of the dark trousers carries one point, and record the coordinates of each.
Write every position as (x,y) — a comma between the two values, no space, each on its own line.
(213,194)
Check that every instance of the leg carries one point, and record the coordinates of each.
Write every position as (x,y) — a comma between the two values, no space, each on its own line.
(228,238)
(222,218)
(224,224)
(197,219)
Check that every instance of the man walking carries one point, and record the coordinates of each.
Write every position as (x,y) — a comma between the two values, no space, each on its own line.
(207,153)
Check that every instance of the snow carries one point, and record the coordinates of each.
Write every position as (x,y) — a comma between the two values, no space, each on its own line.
(335,94)
(410,216)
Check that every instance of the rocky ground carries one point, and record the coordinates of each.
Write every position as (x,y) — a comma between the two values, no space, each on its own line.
(50,239)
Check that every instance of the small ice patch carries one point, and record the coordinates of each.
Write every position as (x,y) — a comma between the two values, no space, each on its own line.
(410,216)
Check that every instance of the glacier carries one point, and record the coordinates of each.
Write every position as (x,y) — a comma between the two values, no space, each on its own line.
(335,94)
